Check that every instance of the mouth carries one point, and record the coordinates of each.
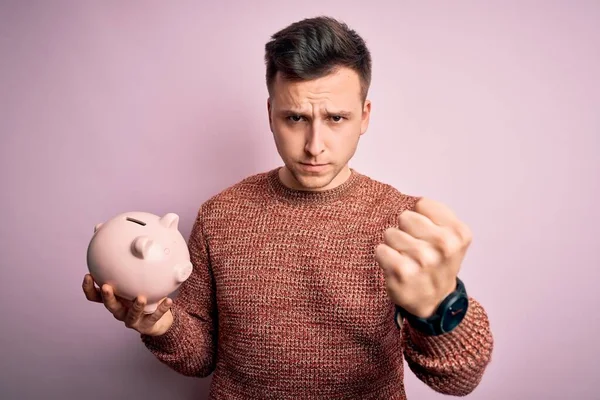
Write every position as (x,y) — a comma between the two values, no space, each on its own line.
(313,167)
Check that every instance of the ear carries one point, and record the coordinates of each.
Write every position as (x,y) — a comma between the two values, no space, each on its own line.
(170,220)
(366,114)
(141,246)
(97,227)
(269,113)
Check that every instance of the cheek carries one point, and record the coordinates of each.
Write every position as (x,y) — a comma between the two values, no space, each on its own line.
(285,140)
(344,140)
(287,135)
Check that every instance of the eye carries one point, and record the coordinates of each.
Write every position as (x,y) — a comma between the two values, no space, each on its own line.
(337,118)
(295,118)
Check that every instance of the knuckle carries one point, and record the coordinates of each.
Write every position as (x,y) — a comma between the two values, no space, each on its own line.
(428,257)
(408,274)
(380,252)
(405,217)
(435,258)
(388,235)
(465,234)
(447,244)
(444,246)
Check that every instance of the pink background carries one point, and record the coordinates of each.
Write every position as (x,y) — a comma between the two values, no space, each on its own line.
(112,106)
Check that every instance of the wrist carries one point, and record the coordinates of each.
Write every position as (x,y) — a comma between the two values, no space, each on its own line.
(431,311)
(446,317)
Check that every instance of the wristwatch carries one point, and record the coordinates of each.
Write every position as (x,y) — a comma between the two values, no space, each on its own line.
(447,316)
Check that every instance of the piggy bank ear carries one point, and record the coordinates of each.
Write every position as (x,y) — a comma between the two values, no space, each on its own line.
(170,220)
(141,246)
(97,227)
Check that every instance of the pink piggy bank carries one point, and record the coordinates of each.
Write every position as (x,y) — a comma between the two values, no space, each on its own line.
(139,253)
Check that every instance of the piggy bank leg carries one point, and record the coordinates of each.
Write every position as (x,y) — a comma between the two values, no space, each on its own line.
(150,308)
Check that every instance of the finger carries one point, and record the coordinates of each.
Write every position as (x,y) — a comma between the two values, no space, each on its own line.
(92,293)
(421,227)
(419,250)
(439,213)
(394,289)
(400,240)
(126,303)
(396,264)
(135,311)
(111,303)
(162,308)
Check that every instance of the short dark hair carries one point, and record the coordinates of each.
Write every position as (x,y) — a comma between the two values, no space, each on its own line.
(315,47)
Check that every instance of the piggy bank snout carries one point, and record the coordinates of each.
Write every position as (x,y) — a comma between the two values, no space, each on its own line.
(183,272)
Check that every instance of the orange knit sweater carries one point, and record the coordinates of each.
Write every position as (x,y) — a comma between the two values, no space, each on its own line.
(286,300)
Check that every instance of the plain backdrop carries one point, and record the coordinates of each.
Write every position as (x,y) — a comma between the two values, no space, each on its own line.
(111,106)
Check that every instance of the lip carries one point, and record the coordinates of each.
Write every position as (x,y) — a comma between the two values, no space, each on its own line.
(313,167)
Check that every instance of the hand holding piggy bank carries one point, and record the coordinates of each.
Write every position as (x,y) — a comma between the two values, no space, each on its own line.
(139,254)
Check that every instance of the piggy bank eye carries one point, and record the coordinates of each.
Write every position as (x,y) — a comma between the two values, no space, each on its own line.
(137,221)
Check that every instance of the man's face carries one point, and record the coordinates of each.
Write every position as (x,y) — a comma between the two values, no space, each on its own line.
(317,125)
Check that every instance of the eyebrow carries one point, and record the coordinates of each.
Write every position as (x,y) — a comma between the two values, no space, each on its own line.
(290,111)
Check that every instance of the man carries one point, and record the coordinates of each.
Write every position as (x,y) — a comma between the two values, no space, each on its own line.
(313,281)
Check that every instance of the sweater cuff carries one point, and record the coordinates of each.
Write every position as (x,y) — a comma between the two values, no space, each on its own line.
(471,335)
(169,341)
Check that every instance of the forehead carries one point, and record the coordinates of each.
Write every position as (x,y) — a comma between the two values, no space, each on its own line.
(341,87)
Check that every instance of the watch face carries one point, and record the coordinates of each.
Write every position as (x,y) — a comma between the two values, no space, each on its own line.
(454,314)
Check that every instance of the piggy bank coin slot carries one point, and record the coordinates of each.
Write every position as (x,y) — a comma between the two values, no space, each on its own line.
(137,221)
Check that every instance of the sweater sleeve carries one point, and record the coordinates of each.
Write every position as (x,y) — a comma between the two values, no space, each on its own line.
(452,363)
(189,346)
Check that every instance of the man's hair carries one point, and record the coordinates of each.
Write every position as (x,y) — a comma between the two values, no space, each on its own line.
(315,47)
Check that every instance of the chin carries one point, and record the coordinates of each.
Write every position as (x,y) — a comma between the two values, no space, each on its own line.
(314,181)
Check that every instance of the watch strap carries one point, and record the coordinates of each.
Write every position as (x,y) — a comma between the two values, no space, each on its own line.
(433,325)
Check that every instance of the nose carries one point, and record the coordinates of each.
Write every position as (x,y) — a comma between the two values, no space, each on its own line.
(314,142)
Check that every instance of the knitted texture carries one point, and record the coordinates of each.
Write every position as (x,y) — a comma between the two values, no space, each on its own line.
(286,300)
